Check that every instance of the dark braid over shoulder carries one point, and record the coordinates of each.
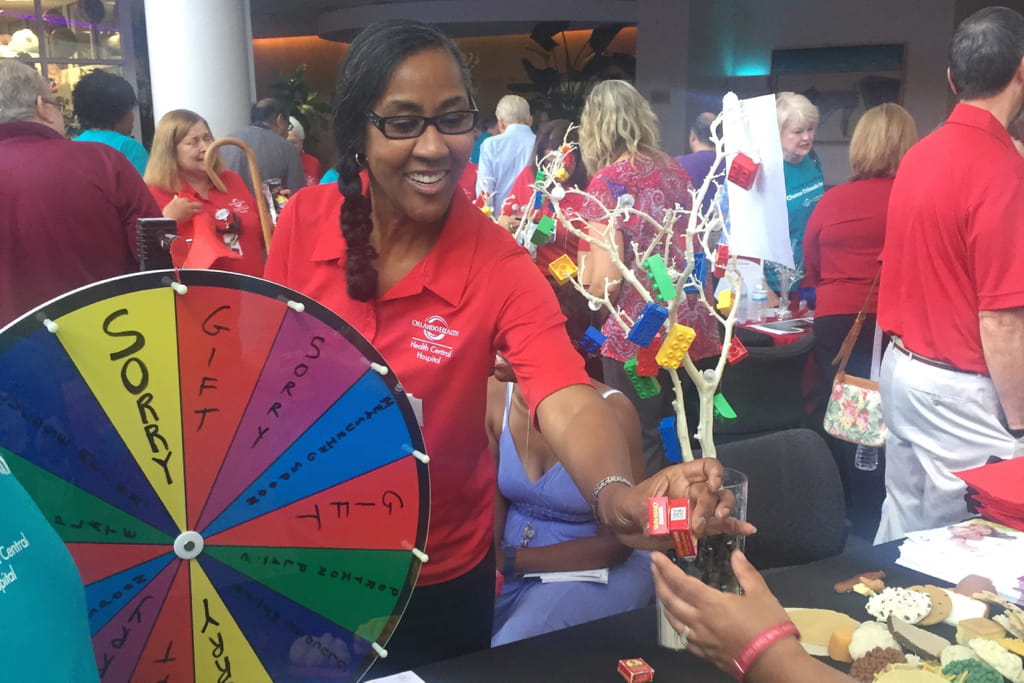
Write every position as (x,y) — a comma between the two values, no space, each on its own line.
(356,226)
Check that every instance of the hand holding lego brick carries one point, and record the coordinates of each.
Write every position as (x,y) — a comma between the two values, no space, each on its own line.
(625,509)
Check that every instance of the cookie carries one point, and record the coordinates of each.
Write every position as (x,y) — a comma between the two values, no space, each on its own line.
(942,604)
(910,606)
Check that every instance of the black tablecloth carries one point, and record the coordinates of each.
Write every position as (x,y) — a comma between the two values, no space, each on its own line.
(589,653)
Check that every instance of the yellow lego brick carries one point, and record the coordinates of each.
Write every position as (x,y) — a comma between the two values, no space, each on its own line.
(726,299)
(562,268)
(674,348)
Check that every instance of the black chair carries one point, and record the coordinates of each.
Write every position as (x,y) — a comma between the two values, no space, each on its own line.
(765,390)
(795,497)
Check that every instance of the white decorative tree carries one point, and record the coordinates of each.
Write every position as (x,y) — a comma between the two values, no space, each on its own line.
(668,281)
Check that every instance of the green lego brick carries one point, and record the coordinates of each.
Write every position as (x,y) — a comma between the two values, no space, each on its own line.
(724,411)
(545,229)
(661,283)
(646,387)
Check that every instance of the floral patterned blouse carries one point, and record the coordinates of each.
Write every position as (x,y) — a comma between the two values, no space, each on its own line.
(655,185)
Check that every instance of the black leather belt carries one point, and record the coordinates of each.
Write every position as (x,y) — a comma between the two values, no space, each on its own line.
(898,344)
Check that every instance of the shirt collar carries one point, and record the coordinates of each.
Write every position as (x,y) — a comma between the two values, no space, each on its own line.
(976,117)
(444,270)
(16,129)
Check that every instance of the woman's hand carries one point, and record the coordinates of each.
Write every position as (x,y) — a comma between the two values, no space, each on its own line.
(182,209)
(719,626)
(699,480)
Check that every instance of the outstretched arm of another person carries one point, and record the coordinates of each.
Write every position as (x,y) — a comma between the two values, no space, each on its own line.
(720,625)
(582,429)
(1002,338)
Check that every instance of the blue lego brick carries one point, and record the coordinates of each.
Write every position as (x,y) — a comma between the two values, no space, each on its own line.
(669,440)
(699,272)
(646,327)
(592,340)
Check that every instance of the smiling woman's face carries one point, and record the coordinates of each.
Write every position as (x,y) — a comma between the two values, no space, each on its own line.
(413,180)
(797,140)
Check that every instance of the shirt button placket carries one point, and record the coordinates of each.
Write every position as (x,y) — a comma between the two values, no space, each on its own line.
(371,322)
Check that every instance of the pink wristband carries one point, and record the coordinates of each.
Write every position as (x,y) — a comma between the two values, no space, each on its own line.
(756,647)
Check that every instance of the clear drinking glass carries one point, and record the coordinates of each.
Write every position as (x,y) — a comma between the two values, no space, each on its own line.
(712,565)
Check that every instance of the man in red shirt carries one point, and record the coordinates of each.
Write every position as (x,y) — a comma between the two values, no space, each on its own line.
(952,287)
(67,209)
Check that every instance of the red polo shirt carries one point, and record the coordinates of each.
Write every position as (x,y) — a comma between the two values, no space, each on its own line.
(236,198)
(476,293)
(955,238)
(843,241)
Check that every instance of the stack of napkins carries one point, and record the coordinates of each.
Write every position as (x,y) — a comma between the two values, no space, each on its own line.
(998,491)
(590,575)
(976,546)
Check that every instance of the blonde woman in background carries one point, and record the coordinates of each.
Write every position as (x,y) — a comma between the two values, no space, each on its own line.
(842,246)
(619,143)
(177,179)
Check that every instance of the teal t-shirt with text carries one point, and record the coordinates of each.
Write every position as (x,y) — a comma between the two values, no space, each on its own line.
(804,187)
(44,629)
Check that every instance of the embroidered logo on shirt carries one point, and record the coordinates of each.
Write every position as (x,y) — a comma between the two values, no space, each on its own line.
(239,205)
(435,329)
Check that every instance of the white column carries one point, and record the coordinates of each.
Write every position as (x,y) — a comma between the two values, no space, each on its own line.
(662,67)
(200,57)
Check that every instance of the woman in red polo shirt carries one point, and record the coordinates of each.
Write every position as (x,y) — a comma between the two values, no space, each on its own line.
(842,245)
(178,181)
(439,288)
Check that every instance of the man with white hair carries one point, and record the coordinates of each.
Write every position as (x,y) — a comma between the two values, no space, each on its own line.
(68,209)
(503,156)
(310,164)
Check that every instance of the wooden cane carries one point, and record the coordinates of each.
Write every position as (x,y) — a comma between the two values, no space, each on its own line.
(257,182)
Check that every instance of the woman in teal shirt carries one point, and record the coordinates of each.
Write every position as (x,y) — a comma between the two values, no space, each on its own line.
(798,119)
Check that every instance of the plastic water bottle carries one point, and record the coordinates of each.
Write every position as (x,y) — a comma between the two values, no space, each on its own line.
(758,304)
(866,458)
(743,304)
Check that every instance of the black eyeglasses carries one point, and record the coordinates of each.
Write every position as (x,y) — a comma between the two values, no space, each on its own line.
(405,127)
(56,105)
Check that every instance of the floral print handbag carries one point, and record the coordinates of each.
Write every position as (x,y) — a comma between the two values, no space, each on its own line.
(854,411)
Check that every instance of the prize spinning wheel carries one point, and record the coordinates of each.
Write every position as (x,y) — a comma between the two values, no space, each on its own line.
(237,475)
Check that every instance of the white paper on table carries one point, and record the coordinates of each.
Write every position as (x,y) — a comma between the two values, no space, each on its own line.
(588,575)
(401,677)
(938,553)
(758,218)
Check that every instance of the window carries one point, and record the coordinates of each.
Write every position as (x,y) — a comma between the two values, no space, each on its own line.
(65,39)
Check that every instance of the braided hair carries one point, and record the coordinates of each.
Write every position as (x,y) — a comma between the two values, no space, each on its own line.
(369,63)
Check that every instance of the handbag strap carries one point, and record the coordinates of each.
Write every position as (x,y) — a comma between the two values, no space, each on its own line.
(847,348)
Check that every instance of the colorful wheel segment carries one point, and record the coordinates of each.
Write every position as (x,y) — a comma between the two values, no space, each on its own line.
(237,475)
